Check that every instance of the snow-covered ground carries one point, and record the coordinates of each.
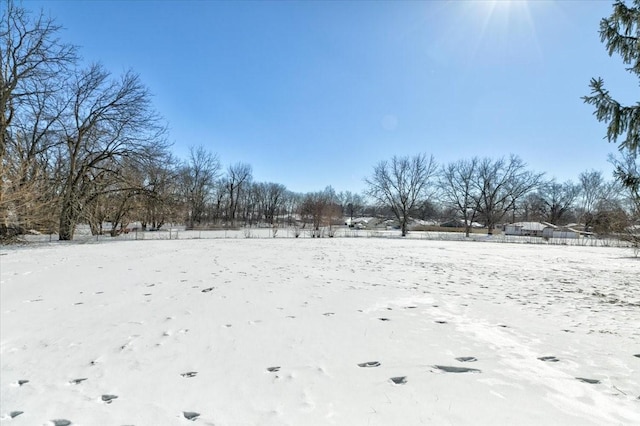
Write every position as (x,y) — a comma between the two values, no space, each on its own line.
(359,331)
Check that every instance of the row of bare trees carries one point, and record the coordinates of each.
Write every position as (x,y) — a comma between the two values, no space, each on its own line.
(493,191)
(80,145)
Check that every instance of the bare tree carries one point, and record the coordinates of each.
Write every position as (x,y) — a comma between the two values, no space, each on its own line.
(33,62)
(458,190)
(109,120)
(321,209)
(592,191)
(401,185)
(352,204)
(292,201)
(199,177)
(160,203)
(270,198)
(238,177)
(499,185)
(555,200)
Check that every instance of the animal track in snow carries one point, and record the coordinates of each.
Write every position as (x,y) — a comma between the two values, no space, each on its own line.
(451,369)
(440,322)
(77,381)
(22,382)
(15,414)
(548,359)
(590,381)
(189,374)
(384,319)
(190,415)
(400,380)
(60,422)
(206,290)
(108,398)
(467,359)
(369,364)
(273,369)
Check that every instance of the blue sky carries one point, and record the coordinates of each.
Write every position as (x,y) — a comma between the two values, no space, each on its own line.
(315,93)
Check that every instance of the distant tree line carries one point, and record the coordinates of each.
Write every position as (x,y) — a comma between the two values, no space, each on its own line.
(82,146)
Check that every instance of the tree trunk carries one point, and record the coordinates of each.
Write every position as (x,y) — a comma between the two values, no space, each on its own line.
(67,222)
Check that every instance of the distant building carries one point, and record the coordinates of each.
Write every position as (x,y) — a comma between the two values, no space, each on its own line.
(527,229)
(544,230)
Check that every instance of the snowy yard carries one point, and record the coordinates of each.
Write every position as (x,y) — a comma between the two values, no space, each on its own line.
(318,332)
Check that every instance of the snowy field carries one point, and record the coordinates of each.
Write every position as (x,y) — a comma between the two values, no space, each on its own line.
(360,331)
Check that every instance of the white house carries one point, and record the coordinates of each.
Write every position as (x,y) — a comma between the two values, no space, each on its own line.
(527,229)
(559,232)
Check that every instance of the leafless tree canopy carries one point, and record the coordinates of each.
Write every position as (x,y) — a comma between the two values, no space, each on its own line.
(32,61)
(552,202)
(401,184)
(499,184)
(458,189)
(109,121)
(238,178)
(198,179)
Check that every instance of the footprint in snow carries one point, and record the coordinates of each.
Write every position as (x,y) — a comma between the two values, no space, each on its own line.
(77,381)
(108,398)
(369,364)
(189,374)
(548,359)
(328,314)
(400,380)
(451,369)
(273,369)
(207,290)
(60,422)
(15,414)
(22,382)
(467,359)
(590,381)
(637,355)
(441,322)
(384,319)
(190,415)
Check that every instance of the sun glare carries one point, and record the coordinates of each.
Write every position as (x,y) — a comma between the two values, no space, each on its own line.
(504,27)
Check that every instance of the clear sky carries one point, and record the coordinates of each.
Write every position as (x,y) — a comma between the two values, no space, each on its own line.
(315,93)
